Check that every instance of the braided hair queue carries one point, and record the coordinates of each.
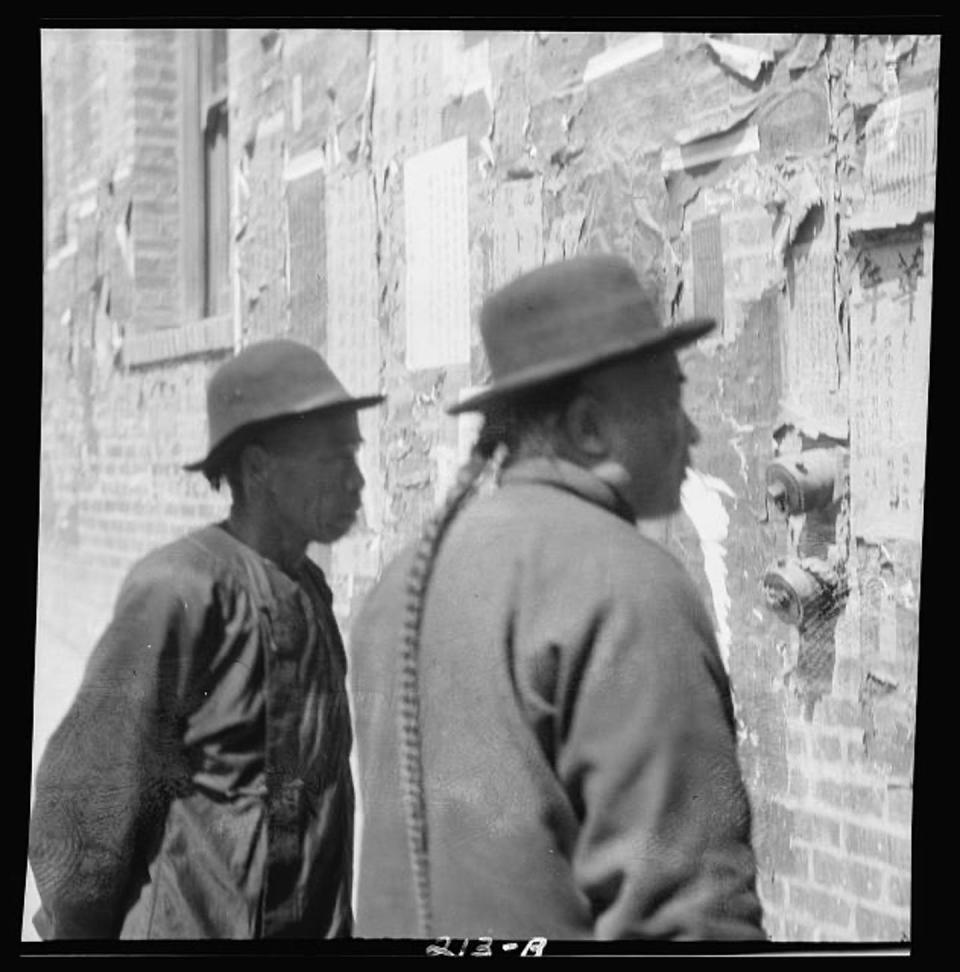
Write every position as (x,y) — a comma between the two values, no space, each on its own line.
(508,429)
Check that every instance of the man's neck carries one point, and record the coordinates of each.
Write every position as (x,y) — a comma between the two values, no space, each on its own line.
(267,539)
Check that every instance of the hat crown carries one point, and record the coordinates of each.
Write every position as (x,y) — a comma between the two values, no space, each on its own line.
(272,375)
(268,380)
(576,309)
(567,317)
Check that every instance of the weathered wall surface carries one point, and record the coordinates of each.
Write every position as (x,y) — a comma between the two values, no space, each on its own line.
(383,182)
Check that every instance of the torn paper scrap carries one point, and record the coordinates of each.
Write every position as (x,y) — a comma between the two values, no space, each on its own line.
(701,497)
(807,52)
(614,58)
(517,229)
(466,71)
(799,195)
(125,239)
(744,61)
(304,164)
(710,150)
(719,121)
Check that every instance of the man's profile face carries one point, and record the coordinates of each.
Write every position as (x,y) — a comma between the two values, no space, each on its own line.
(651,433)
(315,482)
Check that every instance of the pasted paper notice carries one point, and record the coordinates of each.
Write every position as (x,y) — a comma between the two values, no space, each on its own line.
(409,91)
(517,230)
(353,327)
(900,164)
(889,373)
(438,266)
(706,244)
(811,336)
(353,331)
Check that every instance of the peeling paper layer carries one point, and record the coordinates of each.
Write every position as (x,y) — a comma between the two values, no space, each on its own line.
(744,61)
(702,502)
(306,163)
(711,150)
(718,122)
(466,71)
(623,54)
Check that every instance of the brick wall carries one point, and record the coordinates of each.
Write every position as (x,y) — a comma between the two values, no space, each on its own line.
(113,437)
(762,234)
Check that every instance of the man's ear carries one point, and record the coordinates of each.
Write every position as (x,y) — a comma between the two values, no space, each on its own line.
(584,423)
(255,465)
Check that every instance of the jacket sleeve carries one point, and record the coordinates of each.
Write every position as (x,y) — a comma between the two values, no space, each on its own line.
(110,768)
(649,760)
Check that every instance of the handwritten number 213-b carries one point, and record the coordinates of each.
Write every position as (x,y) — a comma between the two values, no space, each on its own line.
(534,947)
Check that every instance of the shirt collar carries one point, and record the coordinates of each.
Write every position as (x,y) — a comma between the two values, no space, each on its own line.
(573,479)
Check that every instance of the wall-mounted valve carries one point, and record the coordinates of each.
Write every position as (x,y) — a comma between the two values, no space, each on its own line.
(802,591)
(804,481)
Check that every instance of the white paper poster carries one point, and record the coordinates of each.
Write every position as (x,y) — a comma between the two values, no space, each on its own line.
(900,164)
(409,91)
(437,257)
(889,374)
(811,339)
(353,326)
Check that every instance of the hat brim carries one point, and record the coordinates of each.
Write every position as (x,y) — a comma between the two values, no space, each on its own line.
(671,337)
(345,404)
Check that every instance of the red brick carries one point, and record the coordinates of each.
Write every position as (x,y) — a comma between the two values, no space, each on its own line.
(823,906)
(829,792)
(774,926)
(841,712)
(798,931)
(879,845)
(817,829)
(855,754)
(863,800)
(798,785)
(772,890)
(900,804)
(876,926)
(153,133)
(862,880)
(827,748)
(898,891)
(156,94)
(152,154)
(796,742)
(145,72)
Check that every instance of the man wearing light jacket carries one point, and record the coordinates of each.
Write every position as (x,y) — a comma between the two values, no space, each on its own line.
(544,723)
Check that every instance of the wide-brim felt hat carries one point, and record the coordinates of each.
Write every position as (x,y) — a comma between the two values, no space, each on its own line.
(565,318)
(270,380)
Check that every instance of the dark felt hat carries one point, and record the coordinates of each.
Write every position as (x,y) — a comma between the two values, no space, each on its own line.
(270,380)
(566,317)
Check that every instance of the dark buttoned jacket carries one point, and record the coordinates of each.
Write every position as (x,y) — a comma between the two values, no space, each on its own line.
(199,786)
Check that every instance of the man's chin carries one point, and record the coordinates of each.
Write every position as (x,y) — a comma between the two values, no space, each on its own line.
(339,528)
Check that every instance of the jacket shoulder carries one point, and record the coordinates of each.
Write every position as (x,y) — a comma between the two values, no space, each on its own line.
(189,566)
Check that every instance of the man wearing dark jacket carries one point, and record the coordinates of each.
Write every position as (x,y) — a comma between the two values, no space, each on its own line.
(199,786)
(544,723)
